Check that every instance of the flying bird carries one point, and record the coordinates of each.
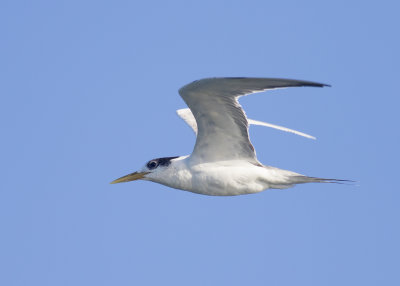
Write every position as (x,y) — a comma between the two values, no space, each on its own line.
(223,161)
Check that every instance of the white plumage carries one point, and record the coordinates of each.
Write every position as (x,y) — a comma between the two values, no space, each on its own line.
(223,161)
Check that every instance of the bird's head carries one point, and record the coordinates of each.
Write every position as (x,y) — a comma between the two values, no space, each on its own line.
(150,171)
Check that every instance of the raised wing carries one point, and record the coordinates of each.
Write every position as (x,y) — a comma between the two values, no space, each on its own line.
(222,124)
(188,117)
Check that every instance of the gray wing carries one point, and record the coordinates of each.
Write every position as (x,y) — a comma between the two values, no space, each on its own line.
(221,121)
(188,117)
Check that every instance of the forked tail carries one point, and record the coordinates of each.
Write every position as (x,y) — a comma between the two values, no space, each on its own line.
(306,179)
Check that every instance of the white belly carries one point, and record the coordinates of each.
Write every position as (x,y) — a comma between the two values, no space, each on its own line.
(224,178)
(229,179)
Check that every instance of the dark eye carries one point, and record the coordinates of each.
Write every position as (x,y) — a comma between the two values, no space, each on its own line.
(152,164)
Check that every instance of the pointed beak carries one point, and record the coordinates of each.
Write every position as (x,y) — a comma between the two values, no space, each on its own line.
(130,177)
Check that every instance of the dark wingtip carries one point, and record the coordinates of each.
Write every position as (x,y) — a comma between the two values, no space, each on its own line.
(296,82)
(316,84)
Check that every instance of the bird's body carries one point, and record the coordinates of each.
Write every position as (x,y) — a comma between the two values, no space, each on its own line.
(223,162)
(226,178)
(223,178)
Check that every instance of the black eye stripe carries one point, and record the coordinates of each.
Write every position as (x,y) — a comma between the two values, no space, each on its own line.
(166,161)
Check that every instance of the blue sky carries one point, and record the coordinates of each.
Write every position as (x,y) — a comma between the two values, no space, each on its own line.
(89,93)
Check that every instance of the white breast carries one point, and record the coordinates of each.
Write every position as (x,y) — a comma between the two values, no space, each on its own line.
(224,178)
(228,180)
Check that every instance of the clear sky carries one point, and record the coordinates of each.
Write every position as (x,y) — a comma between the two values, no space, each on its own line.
(89,91)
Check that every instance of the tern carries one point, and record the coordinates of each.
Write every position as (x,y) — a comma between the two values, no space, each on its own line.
(223,161)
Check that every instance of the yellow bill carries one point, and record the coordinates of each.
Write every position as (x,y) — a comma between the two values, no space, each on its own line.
(130,177)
